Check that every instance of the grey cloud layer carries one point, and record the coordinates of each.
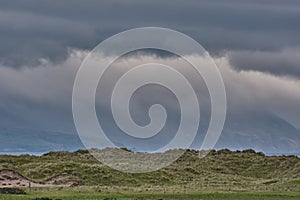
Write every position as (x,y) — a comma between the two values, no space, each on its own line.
(282,63)
(251,42)
(41,97)
(32,31)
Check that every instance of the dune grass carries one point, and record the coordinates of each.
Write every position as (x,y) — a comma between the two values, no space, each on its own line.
(222,174)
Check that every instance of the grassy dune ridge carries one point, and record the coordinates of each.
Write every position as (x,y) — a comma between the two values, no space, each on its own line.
(222,170)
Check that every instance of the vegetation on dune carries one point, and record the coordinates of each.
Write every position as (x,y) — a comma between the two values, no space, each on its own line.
(222,170)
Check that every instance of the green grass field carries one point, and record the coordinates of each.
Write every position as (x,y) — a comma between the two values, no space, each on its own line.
(71,195)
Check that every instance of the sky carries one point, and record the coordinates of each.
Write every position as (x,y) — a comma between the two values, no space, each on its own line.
(255,44)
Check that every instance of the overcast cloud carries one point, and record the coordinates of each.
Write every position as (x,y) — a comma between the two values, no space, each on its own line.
(32,31)
(256,45)
(41,97)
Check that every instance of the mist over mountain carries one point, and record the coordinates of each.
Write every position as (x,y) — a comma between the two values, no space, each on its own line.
(19,141)
(267,133)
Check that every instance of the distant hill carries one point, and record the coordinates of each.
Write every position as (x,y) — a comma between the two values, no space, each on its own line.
(223,170)
(18,141)
(263,132)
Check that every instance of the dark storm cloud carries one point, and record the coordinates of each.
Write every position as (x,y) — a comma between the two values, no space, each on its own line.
(283,63)
(33,31)
(41,98)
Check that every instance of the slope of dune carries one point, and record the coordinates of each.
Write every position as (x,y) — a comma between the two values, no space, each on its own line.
(223,169)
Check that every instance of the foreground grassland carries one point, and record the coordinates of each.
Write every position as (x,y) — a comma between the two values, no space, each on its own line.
(220,175)
(67,195)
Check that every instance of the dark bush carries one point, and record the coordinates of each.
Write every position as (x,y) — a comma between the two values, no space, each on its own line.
(224,151)
(12,191)
(125,149)
(250,151)
(212,152)
(43,198)
(80,151)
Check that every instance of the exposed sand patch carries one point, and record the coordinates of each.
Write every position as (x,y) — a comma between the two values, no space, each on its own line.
(10,178)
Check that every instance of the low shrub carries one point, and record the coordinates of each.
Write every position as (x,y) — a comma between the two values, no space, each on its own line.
(12,191)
